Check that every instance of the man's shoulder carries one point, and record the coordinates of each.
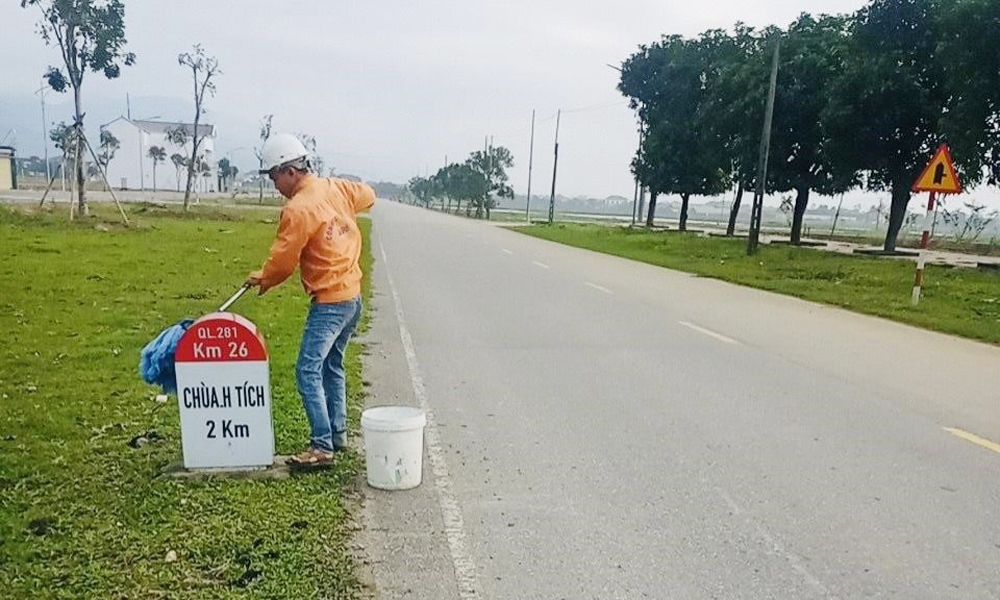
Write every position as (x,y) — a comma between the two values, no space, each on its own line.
(347,186)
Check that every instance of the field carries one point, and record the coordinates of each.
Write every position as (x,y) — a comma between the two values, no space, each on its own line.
(84,509)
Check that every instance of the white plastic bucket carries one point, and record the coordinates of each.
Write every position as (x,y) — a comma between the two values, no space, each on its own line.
(394,446)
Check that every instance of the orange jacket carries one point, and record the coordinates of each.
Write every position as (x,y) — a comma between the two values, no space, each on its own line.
(318,233)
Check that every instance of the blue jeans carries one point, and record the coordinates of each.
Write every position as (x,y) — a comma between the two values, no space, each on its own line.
(319,372)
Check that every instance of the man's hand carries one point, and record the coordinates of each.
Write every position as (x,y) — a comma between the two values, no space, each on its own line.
(253,279)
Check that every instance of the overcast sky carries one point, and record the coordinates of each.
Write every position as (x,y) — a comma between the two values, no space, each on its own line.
(390,89)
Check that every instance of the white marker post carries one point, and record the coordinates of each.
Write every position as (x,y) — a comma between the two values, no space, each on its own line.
(925,239)
(224,394)
(938,177)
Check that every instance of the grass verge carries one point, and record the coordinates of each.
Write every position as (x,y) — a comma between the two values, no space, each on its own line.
(963,302)
(85,515)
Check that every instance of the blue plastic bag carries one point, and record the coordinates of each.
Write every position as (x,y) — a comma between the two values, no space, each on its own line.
(156,363)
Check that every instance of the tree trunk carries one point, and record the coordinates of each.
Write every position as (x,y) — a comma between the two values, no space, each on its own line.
(652,209)
(260,181)
(642,201)
(80,140)
(683,225)
(900,198)
(735,210)
(192,164)
(154,176)
(801,200)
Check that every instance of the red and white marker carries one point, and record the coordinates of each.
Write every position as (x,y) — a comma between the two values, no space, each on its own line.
(925,239)
(938,177)
(224,394)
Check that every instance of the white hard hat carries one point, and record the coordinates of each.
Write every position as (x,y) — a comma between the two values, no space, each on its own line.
(281,149)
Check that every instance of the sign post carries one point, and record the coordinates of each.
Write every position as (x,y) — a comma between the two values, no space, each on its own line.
(224,395)
(938,177)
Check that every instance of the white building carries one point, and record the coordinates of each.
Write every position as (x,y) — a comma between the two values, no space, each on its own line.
(132,167)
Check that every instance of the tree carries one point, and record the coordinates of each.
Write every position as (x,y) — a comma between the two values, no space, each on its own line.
(667,84)
(180,162)
(91,37)
(265,134)
(422,189)
(811,58)
(178,137)
(203,69)
(492,165)
(65,137)
(447,184)
(968,31)
(462,181)
(227,174)
(319,165)
(733,107)
(204,170)
(885,106)
(223,173)
(158,154)
(109,145)
(315,160)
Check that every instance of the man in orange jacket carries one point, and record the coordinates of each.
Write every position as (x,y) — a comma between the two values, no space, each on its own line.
(318,233)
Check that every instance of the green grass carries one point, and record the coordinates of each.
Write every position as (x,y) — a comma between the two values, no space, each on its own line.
(84,515)
(964,302)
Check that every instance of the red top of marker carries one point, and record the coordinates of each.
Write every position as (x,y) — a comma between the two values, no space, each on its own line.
(221,337)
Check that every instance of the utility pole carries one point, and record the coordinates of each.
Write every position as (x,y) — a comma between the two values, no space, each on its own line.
(45,137)
(765,148)
(489,176)
(636,209)
(555,166)
(531,158)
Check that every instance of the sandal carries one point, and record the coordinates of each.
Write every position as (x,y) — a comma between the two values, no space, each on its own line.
(311,457)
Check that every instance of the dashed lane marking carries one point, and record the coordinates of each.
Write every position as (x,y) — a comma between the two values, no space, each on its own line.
(708,332)
(598,287)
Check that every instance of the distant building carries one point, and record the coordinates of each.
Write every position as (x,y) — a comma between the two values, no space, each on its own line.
(131,167)
(8,174)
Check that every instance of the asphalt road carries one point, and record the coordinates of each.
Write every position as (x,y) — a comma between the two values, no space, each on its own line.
(607,429)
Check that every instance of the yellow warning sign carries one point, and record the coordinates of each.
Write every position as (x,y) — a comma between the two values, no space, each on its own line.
(939,175)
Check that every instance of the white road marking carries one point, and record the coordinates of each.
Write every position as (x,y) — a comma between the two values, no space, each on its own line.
(708,332)
(542,265)
(506,251)
(597,287)
(795,561)
(454,525)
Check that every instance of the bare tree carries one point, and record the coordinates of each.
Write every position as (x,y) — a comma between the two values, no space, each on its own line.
(265,133)
(91,37)
(317,162)
(203,69)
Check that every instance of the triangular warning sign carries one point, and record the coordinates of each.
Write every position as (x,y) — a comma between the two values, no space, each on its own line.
(939,175)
